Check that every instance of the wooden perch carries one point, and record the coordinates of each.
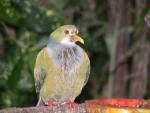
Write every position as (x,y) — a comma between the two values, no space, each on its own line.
(44,109)
(92,106)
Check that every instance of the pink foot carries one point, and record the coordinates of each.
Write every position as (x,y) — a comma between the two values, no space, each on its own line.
(52,103)
(71,104)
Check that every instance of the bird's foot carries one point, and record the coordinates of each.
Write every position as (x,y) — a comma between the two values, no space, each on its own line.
(71,104)
(52,103)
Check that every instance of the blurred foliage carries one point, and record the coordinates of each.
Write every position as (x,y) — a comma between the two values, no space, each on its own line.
(25,26)
(32,26)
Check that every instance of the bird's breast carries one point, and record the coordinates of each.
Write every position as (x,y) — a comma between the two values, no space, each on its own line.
(65,75)
(68,60)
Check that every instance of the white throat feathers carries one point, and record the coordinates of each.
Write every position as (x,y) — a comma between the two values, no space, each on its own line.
(66,57)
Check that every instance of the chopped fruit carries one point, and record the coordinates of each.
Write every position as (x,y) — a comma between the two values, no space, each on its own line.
(120,102)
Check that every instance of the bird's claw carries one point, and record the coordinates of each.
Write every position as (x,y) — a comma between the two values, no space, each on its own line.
(71,104)
(52,103)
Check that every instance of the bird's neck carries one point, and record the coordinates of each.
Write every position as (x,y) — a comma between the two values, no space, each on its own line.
(68,58)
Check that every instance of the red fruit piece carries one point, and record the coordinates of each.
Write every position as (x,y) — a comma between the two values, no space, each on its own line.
(119,102)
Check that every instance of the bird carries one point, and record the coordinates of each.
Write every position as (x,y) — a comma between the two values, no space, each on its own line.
(62,67)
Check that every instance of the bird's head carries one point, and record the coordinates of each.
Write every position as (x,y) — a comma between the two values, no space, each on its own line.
(67,34)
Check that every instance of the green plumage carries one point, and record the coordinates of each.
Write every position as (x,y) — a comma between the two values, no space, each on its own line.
(54,83)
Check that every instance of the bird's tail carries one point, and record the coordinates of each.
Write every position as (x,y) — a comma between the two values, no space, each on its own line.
(40,102)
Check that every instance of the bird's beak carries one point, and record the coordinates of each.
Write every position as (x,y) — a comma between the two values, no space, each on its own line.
(78,38)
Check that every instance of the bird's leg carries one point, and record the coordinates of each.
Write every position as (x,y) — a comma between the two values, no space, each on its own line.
(71,104)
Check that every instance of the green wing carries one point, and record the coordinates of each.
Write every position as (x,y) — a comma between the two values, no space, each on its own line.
(87,63)
(39,71)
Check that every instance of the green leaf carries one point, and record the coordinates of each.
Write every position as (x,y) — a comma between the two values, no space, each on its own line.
(8,13)
(31,60)
(59,4)
(15,74)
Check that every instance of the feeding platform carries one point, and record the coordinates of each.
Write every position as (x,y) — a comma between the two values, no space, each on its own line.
(91,106)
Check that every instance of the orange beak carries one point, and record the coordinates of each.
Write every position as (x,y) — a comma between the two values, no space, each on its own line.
(78,38)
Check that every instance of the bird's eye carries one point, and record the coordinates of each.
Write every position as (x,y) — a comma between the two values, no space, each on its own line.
(66,32)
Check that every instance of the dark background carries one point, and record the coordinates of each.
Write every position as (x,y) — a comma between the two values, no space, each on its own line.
(116,38)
